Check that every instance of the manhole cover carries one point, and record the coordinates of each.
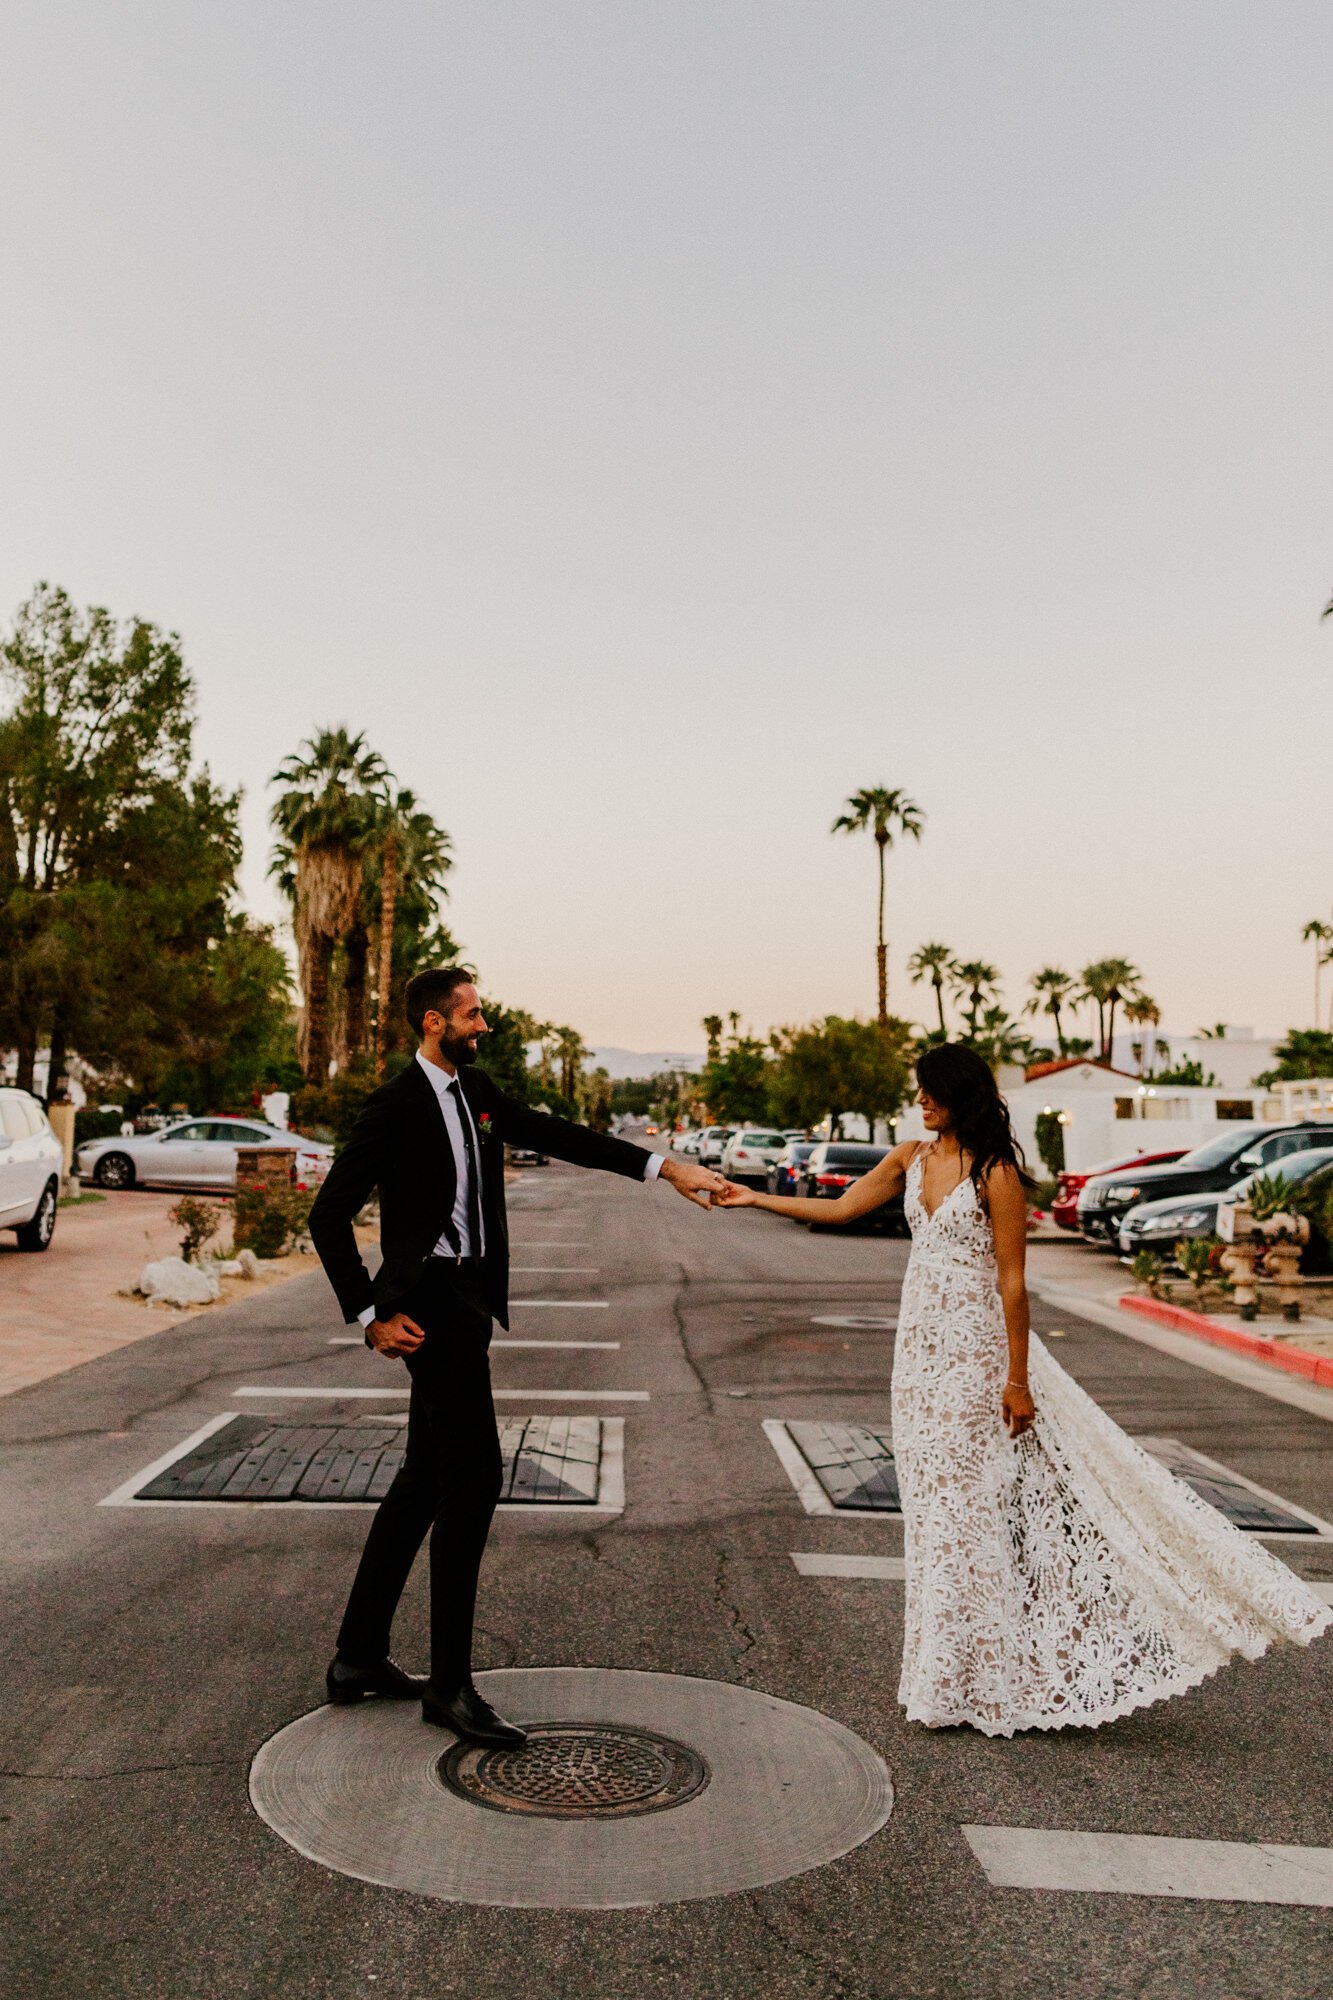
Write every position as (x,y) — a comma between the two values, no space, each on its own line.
(577,1770)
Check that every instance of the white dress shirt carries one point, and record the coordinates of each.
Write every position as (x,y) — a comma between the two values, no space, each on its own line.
(453,1108)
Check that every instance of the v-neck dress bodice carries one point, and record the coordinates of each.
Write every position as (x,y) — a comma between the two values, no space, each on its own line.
(1066,1578)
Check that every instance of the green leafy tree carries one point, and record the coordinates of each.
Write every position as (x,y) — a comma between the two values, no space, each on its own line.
(1187,1071)
(1306,1053)
(999,1039)
(243,1043)
(734,1084)
(882,812)
(117,866)
(836,1066)
(934,962)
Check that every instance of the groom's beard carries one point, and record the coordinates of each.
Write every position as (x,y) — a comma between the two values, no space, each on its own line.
(458,1052)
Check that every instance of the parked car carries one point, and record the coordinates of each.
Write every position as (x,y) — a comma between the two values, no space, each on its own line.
(1154,1225)
(712,1142)
(784,1173)
(1069,1186)
(830,1169)
(1106,1200)
(685,1141)
(197,1153)
(31,1158)
(749,1153)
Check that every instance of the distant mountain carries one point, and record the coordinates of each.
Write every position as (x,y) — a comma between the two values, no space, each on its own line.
(635,1062)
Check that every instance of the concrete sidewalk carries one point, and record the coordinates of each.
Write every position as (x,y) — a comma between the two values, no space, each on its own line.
(64,1306)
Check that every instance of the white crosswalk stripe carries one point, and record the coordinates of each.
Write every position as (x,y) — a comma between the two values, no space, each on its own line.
(1142,1864)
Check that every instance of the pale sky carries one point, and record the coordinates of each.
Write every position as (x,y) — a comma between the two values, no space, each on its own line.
(651,422)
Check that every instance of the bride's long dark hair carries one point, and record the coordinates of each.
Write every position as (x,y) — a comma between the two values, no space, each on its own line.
(956,1077)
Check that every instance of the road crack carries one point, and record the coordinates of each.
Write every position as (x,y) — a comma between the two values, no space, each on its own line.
(740,1629)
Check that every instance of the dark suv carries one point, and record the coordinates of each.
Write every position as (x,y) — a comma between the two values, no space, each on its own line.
(830,1169)
(1222,1161)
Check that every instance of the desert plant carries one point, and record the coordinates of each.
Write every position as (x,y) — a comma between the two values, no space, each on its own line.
(1197,1257)
(1270,1195)
(1147,1269)
(197,1222)
(270,1215)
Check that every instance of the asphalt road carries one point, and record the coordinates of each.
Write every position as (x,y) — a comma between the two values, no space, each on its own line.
(150,1652)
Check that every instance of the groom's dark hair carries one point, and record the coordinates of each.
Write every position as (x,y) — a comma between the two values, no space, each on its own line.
(428,992)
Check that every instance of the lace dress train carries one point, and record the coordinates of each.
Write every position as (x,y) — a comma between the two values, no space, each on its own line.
(1065,1579)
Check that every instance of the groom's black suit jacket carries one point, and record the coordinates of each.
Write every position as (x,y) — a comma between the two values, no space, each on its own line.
(400,1146)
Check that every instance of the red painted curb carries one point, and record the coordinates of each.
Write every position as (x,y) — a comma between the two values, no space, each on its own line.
(1293,1360)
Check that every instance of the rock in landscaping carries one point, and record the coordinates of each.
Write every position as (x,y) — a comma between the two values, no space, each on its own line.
(228,1267)
(172,1282)
(248,1264)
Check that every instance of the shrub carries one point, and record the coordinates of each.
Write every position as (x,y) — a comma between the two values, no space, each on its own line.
(1147,1268)
(92,1124)
(1050,1135)
(270,1215)
(197,1221)
(329,1110)
(1197,1257)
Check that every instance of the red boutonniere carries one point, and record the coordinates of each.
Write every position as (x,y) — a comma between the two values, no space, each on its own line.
(484,1123)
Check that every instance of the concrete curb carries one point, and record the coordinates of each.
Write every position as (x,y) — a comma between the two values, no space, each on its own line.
(1277,1353)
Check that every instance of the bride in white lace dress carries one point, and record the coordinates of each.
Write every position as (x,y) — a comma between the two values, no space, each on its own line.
(1056,1574)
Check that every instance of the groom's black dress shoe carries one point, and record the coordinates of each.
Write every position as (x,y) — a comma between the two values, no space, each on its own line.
(386,1678)
(467,1714)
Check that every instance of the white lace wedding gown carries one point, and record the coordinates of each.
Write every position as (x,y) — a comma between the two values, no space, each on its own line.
(1067,1578)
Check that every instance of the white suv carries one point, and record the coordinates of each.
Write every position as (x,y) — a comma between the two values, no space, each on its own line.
(30,1161)
(749,1153)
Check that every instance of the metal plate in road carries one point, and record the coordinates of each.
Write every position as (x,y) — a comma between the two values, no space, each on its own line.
(1244,1505)
(854,1465)
(547,1460)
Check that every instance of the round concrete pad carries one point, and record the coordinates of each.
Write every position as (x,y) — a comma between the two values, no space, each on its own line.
(356,1789)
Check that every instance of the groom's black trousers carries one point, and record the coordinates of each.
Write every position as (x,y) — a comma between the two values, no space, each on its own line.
(450,1477)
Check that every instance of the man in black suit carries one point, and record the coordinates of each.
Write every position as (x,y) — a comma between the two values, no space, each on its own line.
(432,1141)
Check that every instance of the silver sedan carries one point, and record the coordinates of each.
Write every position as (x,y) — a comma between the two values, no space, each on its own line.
(196,1153)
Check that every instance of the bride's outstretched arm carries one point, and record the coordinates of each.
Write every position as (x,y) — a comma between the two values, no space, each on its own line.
(870,1192)
(1008,1208)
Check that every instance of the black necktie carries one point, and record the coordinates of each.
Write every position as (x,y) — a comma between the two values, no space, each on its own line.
(473,1171)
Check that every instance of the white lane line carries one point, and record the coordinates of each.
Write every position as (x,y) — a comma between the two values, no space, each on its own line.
(1143,1864)
(396,1395)
(126,1492)
(567,1305)
(602,1346)
(808,1489)
(878,1569)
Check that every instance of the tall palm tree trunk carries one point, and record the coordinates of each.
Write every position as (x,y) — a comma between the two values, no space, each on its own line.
(881,949)
(356,950)
(388,906)
(938,984)
(1059,1030)
(317,962)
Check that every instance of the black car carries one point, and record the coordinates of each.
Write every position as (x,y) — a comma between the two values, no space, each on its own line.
(1159,1225)
(831,1168)
(1105,1201)
(784,1174)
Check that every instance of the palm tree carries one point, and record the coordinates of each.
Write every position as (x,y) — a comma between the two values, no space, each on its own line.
(934,962)
(325,820)
(1105,984)
(1319,934)
(712,1027)
(999,1039)
(975,981)
(1052,989)
(881,810)
(573,1053)
(1146,1013)
(414,857)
